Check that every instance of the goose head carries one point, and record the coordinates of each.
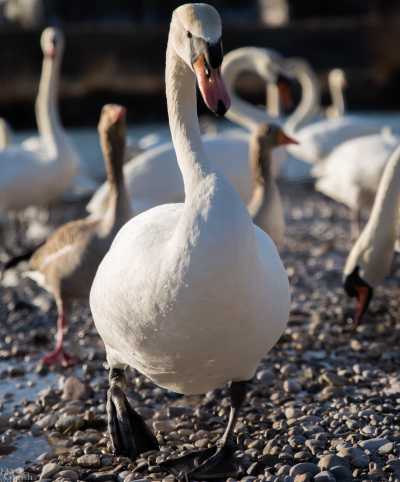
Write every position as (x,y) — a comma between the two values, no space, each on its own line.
(196,37)
(112,130)
(265,138)
(356,287)
(52,42)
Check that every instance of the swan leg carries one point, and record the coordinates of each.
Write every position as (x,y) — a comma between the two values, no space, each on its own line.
(129,434)
(59,355)
(214,462)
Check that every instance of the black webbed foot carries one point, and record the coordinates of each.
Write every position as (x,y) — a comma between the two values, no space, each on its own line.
(212,463)
(129,434)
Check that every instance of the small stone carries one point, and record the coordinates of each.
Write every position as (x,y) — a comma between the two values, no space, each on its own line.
(325,476)
(373,444)
(123,475)
(304,468)
(178,411)
(331,460)
(386,448)
(291,386)
(303,478)
(68,474)
(69,423)
(355,456)
(49,470)
(89,461)
(74,389)
(265,376)
(341,473)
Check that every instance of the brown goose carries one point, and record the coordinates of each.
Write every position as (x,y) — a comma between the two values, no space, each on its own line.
(66,264)
(265,206)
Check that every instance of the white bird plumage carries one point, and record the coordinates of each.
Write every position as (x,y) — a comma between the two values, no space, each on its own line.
(202,294)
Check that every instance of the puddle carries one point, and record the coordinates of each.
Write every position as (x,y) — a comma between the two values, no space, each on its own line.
(27,449)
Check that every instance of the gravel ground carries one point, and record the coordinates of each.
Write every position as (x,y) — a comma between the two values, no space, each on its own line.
(323,407)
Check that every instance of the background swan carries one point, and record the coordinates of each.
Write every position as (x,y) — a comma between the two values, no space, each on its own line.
(370,259)
(318,139)
(153,177)
(38,173)
(5,134)
(352,172)
(202,293)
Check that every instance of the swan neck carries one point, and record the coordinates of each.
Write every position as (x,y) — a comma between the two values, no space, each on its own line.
(337,95)
(242,112)
(183,120)
(310,100)
(47,114)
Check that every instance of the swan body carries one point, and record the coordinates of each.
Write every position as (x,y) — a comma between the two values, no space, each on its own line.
(202,293)
(153,177)
(351,173)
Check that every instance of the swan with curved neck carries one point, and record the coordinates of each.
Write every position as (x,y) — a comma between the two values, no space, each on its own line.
(203,294)
(370,259)
(153,177)
(39,172)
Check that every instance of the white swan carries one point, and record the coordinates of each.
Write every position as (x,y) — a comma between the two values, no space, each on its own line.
(5,134)
(370,259)
(47,113)
(192,295)
(153,177)
(351,173)
(318,139)
(40,172)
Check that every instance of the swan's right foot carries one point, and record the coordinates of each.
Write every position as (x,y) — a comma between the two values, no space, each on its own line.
(61,357)
(129,433)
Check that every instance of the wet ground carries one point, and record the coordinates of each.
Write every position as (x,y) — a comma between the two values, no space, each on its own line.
(324,405)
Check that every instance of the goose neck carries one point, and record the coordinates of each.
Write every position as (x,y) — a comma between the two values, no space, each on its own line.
(337,95)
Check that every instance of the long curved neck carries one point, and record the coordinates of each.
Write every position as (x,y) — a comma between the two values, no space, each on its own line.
(242,112)
(183,121)
(338,103)
(47,115)
(384,217)
(310,98)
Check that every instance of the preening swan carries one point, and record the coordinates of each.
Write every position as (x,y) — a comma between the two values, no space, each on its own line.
(66,264)
(265,206)
(371,257)
(153,177)
(192,295)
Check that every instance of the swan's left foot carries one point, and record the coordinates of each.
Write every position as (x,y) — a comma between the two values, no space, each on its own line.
(129,433)
(215,462)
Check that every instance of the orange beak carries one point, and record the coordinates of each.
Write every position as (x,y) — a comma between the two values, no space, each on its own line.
(284,139)
(212,87)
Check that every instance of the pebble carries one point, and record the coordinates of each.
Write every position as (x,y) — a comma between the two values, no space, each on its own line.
(74,389)
(325,476)
(304,468)
(331,460)
(49,470)
(68,474)
(90,461)
(373,444)
(355,456)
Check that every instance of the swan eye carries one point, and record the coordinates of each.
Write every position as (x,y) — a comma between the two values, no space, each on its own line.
(189,35)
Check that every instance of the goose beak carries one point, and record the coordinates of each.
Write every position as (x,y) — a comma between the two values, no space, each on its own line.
(284,139)
(211,86)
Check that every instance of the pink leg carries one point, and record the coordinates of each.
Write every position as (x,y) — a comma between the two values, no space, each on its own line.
(59,355)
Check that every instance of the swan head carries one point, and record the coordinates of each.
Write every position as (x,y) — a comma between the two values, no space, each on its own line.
(52,42)
(337,78)
(112,132)
(356,287)
(196,32)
